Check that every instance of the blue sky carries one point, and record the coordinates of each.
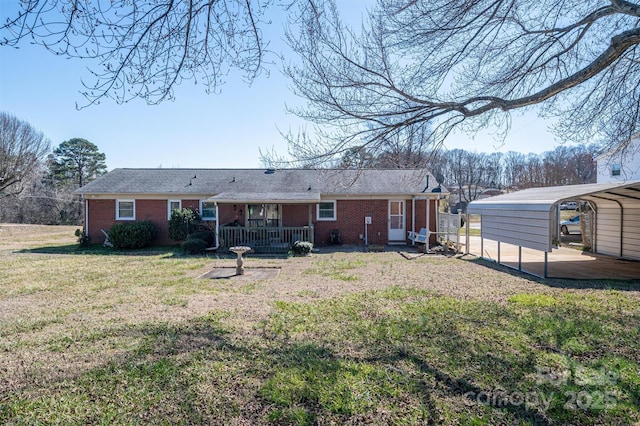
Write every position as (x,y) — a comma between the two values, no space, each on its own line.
(194,131)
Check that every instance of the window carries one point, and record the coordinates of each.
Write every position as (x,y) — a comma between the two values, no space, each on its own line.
(616,169)
(173,205)
(207,210)
(125,210)
(263,215)
(326,210)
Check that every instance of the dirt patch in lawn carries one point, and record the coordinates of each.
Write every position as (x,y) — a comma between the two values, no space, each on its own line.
(249,274)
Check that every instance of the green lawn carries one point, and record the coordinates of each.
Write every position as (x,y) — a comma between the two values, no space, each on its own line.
(97,337)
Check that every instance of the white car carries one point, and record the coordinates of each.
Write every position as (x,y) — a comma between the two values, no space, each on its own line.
(569,205)
(571,226)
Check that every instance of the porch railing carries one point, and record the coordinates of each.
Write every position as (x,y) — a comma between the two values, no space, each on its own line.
(264,240)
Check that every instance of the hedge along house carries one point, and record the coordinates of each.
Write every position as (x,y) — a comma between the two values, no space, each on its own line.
(269,209)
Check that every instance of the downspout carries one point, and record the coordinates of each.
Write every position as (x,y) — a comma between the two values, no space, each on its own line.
(217,227)
(86,216)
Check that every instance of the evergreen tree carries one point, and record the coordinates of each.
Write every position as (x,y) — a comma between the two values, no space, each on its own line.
(77,162)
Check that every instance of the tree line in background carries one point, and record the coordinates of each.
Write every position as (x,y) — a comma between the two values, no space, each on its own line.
(468,174)
(471,174)
(37,184)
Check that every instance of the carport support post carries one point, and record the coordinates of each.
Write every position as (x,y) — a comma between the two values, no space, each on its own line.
(428,224)
(520,258)
(481,239)
(467,239)
(546,266)
(413,217)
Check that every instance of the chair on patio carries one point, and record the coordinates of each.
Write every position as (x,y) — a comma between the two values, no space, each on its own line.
(419,237)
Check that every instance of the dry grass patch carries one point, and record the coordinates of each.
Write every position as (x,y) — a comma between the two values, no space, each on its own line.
(97,337)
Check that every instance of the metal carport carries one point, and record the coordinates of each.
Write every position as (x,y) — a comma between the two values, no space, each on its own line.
(530,218)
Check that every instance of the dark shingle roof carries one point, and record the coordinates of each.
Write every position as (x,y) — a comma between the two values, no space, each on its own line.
(261,181)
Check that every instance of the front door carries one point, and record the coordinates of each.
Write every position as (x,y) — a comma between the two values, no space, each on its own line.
(396,221)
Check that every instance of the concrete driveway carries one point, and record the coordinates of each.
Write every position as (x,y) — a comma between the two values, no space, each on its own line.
(564,262)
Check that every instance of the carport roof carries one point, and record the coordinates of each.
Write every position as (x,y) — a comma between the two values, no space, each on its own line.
(543,199)
(530,219)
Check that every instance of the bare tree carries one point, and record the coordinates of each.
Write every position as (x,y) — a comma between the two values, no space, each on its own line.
(22,151)
(468,63)
(534,175)
(446,63)
(407,149)
(570,165)
(556,165)
(583,166)
(468,173)
(514,168)
(144,48)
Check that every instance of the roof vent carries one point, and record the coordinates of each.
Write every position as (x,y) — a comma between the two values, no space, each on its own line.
(269,171)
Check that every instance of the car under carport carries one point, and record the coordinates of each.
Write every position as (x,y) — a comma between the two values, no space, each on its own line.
(530,219)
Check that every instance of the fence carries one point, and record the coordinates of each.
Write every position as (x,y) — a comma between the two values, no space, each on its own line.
(264,240)
(449,225)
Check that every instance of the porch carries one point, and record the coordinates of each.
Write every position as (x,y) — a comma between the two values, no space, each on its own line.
(264,239)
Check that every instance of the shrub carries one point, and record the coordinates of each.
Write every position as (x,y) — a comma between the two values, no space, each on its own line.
(194,246)
(182,223)
(132,235)
(83,239)
(301,248)
(206,236)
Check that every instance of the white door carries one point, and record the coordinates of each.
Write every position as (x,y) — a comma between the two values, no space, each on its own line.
(396,221)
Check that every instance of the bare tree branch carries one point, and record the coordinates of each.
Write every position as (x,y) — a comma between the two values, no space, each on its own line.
(22,152)
(145,48)
(468,63)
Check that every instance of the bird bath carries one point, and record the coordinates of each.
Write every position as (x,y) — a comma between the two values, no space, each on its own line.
(240,250)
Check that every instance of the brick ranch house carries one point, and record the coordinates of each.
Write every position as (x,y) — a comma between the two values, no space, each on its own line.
(272,207)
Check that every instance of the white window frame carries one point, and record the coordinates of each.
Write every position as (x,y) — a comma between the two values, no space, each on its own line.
(214,210)
(170,210)
(118,217)
(335,214)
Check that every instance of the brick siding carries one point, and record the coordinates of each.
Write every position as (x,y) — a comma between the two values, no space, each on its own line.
(350,218)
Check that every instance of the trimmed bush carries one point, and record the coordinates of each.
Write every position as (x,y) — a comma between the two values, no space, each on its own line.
(182,223)
(301,248)
(132,235)
(194,246)
(206,236)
